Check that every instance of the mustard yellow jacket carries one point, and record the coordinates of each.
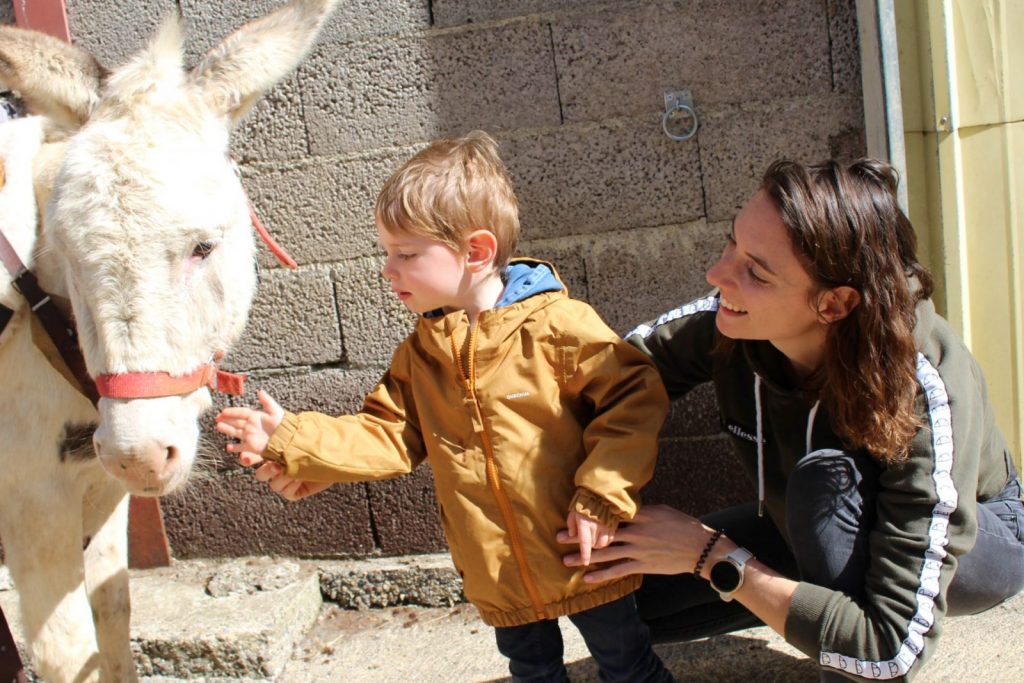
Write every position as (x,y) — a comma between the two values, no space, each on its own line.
(546,411)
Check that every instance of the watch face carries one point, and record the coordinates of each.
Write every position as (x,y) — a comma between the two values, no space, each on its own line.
(725,577)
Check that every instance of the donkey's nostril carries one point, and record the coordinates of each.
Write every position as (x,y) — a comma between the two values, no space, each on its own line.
(172,453)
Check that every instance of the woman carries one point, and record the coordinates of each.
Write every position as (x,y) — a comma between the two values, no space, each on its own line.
(887,497)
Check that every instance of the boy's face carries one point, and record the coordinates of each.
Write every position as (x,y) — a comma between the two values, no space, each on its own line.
(424,273)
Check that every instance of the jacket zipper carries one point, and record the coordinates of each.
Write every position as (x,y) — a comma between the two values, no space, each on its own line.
(492,473)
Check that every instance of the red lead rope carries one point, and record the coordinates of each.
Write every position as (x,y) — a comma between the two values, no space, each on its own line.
(282,256)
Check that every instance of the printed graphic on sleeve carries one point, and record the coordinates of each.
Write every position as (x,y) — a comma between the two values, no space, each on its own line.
(709,303)
(928,584)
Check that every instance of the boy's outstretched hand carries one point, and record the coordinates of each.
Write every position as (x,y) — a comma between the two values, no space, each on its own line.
(591,534)
(251,427)
(290,489)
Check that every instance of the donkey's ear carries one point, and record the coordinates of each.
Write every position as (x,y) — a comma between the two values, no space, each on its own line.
(152,70)
(234,74)
(55,79)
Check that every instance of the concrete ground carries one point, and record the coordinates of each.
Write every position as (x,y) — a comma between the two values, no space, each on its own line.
(258,619)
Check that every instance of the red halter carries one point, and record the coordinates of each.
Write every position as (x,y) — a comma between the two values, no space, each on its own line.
(158,384)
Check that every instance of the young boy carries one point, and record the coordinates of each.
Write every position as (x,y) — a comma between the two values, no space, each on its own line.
(534,416)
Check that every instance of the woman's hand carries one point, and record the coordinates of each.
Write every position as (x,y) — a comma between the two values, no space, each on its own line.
(658,540)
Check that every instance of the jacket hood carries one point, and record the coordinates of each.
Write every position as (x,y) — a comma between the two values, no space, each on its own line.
(525,278)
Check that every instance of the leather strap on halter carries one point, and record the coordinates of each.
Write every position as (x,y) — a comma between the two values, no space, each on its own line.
(57,326)
(5,317)
(11,668)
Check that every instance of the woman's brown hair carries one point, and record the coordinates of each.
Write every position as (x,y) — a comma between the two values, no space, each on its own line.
(846,223)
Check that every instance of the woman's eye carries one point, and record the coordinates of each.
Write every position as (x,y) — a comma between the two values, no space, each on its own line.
(755,277)
(406,257)
(203,249)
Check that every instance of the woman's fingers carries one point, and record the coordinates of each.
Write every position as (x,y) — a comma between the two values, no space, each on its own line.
(597,556)
(614,572)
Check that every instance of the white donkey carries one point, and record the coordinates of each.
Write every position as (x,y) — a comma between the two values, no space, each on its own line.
(120,196)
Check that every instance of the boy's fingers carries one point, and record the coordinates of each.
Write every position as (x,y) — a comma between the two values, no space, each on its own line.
(586,542)
(270,406)
(226,428)
(233,413)
(249,459)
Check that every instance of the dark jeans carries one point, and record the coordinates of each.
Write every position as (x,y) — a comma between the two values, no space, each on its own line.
(618,640)
(830,512)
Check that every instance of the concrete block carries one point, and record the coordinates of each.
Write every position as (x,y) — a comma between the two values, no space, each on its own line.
(455,12)
(426,580)
(232,515)
(405,514)
(698,476)
(240,516)
(621,59)
(596,178)
(355,19)
(293,321)
(635,276)
(100,27)
(331,391)
(274,129)
(842,31)
(568,258)
(373,320)
(321,210)
(695,414)
(178,630)
(389,92)
(738,142)
(351,20)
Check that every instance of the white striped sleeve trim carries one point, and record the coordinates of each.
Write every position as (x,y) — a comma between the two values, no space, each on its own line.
(938,532)
(709,303)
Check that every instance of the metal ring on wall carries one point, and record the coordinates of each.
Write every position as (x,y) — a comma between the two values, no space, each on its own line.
(676,104)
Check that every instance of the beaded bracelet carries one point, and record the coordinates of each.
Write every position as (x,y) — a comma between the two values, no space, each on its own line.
(707,551)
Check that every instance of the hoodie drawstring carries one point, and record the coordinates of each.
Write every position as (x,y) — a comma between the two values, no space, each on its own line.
(760,440)
(760,446)
(810,426)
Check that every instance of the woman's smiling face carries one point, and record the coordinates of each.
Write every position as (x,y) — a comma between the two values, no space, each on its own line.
(766,292)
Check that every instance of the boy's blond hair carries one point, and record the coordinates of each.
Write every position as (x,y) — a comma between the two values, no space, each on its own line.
(448,190)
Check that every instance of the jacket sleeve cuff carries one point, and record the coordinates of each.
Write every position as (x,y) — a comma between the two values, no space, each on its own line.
(593,506)
(280,439)
(807,612)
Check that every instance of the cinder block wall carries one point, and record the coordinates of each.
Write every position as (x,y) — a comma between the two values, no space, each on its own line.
(574,91)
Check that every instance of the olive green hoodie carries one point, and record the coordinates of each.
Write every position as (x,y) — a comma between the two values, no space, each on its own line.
(926,506)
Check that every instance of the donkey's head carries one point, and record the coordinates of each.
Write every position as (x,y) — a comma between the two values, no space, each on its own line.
(152,232)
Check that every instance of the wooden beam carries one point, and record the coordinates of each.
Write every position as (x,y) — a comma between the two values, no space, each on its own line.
(46,16)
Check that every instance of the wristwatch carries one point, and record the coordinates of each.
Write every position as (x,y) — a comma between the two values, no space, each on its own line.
(727,575)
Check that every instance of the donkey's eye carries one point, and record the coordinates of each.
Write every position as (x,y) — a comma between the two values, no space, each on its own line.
(203,249)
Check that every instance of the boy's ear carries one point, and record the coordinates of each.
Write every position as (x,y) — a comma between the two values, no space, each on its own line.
(837,303)
(481,249)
